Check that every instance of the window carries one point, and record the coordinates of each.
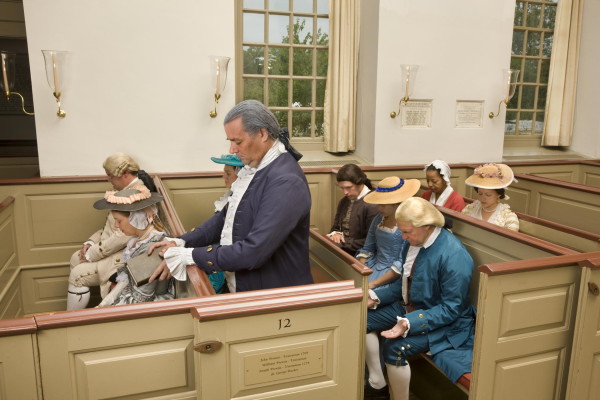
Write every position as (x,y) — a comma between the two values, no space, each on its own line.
(531,50)
(284,48)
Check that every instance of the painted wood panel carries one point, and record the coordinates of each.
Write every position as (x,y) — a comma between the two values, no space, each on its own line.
(17,364)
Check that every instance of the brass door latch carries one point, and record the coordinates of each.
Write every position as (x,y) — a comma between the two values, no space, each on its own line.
(208,347)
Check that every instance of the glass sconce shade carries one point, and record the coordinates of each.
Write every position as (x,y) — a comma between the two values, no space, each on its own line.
(55,69)
(409,77)
(218,71)
(511,80)
(218,67)
(511,77)
(55,61)
(7,63)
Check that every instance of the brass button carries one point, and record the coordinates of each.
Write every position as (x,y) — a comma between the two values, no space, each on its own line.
(423,325)
(422,333)
(402,348)
(420,315)
(208,249)
(118,260)
(408,345)
(193,229)
(209,263)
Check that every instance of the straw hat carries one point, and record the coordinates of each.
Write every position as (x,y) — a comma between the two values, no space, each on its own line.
(134,199)
(491,176)
(392,190)
(228,159)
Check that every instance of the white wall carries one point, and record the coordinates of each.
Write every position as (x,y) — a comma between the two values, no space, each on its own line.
(138,82)
(461,47)
(586,130)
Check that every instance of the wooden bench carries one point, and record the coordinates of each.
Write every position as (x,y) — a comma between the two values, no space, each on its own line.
(584,172)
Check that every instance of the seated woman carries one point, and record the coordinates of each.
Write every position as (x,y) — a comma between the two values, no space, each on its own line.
(382,250)
(440,191)
(232,165)
(433,313)
(353,216)
(136,215)
(490,181)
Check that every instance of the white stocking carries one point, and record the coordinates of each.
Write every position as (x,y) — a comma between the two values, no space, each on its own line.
(78,297)
(399,378)
(372,358)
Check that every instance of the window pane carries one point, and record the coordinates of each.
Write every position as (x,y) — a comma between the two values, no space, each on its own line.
(519,13)
(279,61)
(282,118)
(542,93)
(517,42)
(525,123)
(258,4)
(254,27)
(320,102)
(510,123)
(278,93)
(302,95)
(279,5)
(322,31)
(303,6)
(301,123)
(323,6)
(539,123)
(545,71)
(253,89)
(515,63)
(322,62)
(549,16)
(279,28)
(303,61)
(319,126)
(533,43)
(527,97)
(547,48)
(534,15)
(530,73)
(303,28)
(254,59)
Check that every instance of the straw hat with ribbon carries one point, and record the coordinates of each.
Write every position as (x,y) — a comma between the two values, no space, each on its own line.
(134,199)
(491,176)
(393,190)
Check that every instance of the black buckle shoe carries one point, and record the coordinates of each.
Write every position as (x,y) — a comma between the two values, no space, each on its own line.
(376,394)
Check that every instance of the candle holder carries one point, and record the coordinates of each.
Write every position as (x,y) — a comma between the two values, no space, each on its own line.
(7,64)
(511,78)
(55,66)
(408,76)
(218,67)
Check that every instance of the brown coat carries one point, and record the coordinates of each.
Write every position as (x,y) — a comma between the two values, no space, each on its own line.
(360,220)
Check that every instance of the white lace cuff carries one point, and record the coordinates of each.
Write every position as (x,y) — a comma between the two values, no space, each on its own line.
(330,234)
(407,323)
(178,258)
(373,296)
(178,242)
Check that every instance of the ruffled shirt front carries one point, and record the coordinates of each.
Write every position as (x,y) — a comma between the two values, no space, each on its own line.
(502,215)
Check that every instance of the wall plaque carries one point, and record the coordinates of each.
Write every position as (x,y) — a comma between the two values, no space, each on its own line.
(283,364)
(469,114)
(416,113)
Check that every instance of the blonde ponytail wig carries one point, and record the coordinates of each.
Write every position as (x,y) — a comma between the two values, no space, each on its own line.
(119,163)
(419,212)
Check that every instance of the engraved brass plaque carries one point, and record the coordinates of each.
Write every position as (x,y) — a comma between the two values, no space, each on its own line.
(294,362)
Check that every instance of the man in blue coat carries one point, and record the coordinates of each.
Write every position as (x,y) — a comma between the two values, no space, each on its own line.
(434,313)
(263,232)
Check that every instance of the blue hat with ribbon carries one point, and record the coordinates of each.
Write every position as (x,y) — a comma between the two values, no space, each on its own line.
(228,159)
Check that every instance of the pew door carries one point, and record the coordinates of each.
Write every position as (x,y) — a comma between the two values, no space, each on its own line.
(584,376)
(305,346)
(18,367)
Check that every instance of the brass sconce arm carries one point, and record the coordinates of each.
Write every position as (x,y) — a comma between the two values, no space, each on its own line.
(403,100)
(213,113)
(8,94)
(492,115)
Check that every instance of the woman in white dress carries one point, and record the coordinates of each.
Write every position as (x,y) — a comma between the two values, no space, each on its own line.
(490,181)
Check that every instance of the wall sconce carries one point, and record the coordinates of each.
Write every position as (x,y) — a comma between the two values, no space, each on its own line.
(55,67)
(409,76)
(511,77)
(7,63)
(218,67)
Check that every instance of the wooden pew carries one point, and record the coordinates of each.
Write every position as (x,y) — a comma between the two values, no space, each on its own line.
(584,172)
(104,352)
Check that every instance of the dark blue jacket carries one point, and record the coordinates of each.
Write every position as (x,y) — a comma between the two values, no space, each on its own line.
(270,232)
